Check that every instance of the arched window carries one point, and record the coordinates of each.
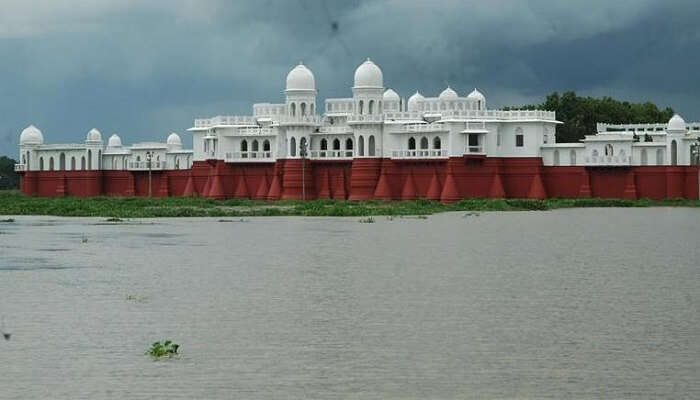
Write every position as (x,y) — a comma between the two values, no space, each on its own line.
(436,143)
(360,107)
(644,160)
(311,109)
(303,109)
(255,145)
(244,145)
(51,164)
(608,150)
(72,163)
(177,163)
(294,109)
(266,145)
(336,144)
(82,162)
(371,107)
(99,159)
(29,161)
(370,146)
(572,157)
(478,105)
(498,139)
(293,147)
(361,145)
(138,158)
(424,143)
(674,152)
(24,159)
(41,163)
(90,159)
(595,153)
(303,149)
(62,162)
(411,143)
(556,157)
(659,157)
(324,144)
(519,137)
(348,144)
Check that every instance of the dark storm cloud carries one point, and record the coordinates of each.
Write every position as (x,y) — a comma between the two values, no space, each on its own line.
(145,69)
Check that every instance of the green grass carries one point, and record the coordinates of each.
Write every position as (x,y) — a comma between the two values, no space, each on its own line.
(163,349)
(15,203)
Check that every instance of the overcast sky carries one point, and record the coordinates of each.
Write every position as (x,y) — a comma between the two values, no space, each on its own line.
(145,68)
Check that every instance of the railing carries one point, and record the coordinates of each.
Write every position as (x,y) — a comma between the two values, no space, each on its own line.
(355,118)
(334,129)
(475,150)
(20,167)
(254,131)
(609,160)
(225,120)
(143,165)
(300,120)
(339,106)
(424,128)
(332,153)
(473,114)
(475,126)
(422,153)
(248,155)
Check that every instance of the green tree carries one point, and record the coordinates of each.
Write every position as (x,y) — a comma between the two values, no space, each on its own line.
(9,179)
(580,114)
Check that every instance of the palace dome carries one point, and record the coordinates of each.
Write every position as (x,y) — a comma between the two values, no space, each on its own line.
(413,101)
(174,142)
(114,141)
(31,135)
(368,75)
(391,95)
(301,78)
(94,136)
(476,95)
(448,94)
(676,124)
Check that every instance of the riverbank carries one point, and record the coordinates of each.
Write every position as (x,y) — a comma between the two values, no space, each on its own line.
(15,203)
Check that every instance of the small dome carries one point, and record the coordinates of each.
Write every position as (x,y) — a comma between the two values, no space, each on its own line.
(174,141)
(391,95)
(413,101)
(676,124)
(31,135)
(476,95)
(448,94)
(114,141)
(301,78)
(368,75)
(94,136)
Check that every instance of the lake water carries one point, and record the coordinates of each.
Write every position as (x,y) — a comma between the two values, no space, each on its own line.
(581,303)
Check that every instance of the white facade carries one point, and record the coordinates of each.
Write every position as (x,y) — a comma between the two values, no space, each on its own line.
(673,143)
(374,122)
(34,155)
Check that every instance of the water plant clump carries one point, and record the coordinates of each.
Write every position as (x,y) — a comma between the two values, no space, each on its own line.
(7,221)
(368,220)
(163,349)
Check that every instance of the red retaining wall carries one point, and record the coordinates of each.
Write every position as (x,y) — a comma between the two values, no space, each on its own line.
(369,178)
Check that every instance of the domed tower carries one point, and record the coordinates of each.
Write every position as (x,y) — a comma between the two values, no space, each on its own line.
(477,100)
(29,139)
(93,149)
(368,89)
(392,101)
(174,142)
(675,131)
(415,102)
(300,92)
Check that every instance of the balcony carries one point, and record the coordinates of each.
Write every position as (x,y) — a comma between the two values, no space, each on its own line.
(608,161)
(332,154)
(423,153)
(144,165)
(20,167)
(249,156)
(475,150)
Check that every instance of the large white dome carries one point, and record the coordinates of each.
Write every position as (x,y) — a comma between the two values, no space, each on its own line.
(391,95)
(174,142)
(368,75)
(301,78)
(31,135)
(676,124)
(94,136)
(413,101)
(449,94)
(114,141)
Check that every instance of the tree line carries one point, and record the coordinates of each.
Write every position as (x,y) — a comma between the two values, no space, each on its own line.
(580,114)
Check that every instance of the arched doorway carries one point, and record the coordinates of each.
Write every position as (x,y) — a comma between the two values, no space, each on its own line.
(674,153)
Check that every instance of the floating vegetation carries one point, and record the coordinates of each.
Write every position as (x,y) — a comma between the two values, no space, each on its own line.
(114,219)
(415,217)
(85,239)
(368,220)
(135,297)
(471,214)
(232,220)
(7,221)
(163,349)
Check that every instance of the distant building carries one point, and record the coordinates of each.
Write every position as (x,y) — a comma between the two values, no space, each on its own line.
(376,145)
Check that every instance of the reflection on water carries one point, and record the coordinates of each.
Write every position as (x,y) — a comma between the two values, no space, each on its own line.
(587,303)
